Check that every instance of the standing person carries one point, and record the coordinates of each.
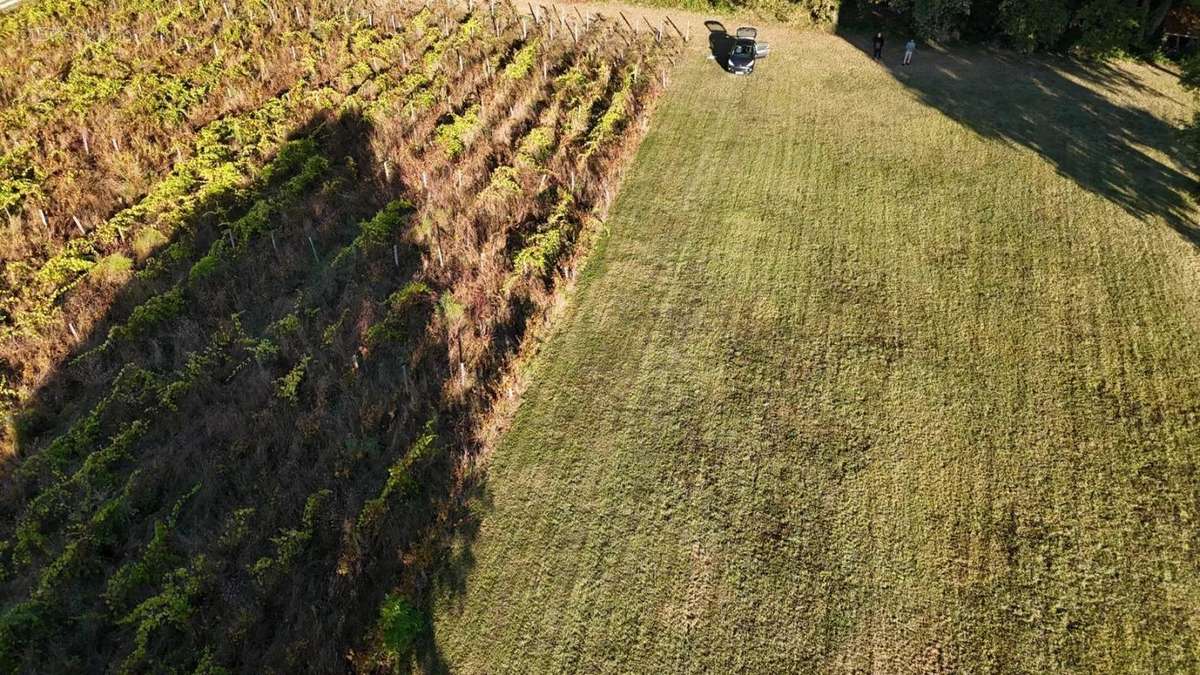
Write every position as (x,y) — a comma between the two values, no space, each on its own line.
(878,46)
(909,48)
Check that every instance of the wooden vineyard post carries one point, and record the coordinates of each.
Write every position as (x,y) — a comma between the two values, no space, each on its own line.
(620,32)
(631,28)
(657,36)
(685,39)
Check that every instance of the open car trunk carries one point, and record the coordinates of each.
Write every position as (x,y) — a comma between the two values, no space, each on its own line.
(747,32)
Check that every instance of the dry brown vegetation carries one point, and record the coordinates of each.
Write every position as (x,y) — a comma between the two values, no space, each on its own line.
(241,389)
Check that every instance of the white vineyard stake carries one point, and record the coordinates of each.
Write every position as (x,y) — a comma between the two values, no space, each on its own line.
(79,225)
(75,333)
(314,250)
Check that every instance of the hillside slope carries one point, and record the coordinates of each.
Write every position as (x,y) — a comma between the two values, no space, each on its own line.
(877,368)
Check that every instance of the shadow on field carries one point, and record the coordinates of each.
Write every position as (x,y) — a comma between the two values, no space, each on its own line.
(256,499)
(720,42)
(1049,105)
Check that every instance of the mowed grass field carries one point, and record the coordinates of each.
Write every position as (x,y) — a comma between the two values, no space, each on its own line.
(875,369)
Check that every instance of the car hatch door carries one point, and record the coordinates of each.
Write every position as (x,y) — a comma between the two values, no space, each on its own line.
(747,32)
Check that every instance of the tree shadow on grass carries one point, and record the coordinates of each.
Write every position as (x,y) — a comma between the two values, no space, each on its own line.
(1057,108)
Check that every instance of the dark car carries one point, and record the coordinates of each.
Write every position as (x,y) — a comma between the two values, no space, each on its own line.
(735,53)
(746,50)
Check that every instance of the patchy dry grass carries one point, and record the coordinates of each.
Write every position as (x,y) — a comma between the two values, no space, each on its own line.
(885,369)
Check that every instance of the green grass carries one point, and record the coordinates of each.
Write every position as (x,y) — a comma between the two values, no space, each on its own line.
(883,370)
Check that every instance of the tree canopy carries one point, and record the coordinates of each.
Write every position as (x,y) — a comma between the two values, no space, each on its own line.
(1101,27)
(1095,26)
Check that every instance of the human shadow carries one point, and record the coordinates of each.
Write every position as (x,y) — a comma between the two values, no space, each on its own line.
(1058,108)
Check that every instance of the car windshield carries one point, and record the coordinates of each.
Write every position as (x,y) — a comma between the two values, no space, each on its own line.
(743,49)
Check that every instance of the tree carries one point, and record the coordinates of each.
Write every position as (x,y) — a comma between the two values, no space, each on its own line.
(1098,27)
(1108,27)
(1034,24)
(937,19)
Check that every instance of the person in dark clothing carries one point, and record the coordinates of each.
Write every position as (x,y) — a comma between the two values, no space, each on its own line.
(878,45)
